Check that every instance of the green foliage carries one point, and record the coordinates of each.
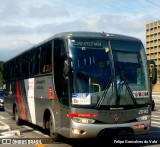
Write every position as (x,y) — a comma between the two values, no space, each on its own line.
(1,66)
(1,76)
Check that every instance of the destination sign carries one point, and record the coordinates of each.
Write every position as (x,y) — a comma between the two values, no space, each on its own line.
(88,43)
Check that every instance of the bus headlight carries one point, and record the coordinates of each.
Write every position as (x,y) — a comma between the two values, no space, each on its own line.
(83,120)
(143,118)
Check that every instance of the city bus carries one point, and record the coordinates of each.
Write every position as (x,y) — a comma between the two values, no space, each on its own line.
(81,85)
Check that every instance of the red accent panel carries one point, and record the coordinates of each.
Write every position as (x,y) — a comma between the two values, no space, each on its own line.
(81,114)
(19,100)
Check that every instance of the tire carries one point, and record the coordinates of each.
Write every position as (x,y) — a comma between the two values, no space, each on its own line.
(16,117)
(55,136)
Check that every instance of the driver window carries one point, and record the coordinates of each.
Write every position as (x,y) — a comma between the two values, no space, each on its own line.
(60,82)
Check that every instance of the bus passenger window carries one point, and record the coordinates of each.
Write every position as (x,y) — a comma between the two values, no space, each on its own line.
(25,66)
(35,65)
(45,58)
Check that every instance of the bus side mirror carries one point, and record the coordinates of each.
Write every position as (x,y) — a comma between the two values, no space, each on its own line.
(154,75)
(66,68)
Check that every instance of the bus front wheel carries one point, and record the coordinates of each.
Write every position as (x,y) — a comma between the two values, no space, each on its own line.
(53,134)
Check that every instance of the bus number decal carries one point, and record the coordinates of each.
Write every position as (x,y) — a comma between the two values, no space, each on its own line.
(140,94)
(145,111)
(81,99)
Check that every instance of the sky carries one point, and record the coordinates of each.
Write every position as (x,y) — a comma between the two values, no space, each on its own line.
(24,23)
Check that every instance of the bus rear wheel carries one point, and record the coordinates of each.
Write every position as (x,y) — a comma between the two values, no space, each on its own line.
(16,117)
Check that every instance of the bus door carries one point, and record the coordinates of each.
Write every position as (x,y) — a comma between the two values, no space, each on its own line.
(61,84)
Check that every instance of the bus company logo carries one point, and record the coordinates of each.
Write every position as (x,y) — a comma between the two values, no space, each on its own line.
(81,115)
(116,118)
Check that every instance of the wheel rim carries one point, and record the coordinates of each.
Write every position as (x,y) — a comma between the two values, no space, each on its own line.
(51,130)
(16,115)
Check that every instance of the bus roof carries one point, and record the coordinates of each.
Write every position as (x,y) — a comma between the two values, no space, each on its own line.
(81,34)
(94,34)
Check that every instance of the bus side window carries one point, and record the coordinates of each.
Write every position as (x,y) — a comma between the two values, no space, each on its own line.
(35,62)
(46,68)
(12,68)
(17,68)
(25,66)
(46,53)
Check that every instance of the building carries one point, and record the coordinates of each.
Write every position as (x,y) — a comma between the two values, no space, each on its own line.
(153,47)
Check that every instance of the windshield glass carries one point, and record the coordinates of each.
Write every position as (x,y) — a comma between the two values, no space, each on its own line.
(130,75)
(108,73)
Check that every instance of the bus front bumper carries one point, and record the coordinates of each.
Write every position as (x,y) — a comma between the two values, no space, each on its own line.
(79,130)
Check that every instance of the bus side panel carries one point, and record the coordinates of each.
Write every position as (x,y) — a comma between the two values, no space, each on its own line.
(15,96)
(21,99)
(43,97)
(30,100)
(31,97)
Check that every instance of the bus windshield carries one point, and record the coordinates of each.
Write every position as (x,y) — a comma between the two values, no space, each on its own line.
(108,73)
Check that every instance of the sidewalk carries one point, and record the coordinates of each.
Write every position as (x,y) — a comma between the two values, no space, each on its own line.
(5,131)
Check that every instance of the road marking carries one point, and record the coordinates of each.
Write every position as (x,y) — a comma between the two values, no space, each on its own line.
(155,113)
(156,117)
(155,124)
(1,117)
(40,145)
(38,132)
(156,95)
(155,120)
(4,126)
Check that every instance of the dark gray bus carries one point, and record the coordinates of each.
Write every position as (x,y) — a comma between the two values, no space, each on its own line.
(81,85)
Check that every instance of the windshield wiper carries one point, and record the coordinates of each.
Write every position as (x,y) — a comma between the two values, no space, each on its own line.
(100,101)
(127,86)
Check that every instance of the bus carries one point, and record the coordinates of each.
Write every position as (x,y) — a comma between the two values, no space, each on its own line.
(81,85)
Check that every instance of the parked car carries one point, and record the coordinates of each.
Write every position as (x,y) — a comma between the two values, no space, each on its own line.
(1,100)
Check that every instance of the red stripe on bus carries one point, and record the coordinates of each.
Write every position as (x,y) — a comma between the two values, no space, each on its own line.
(81,114)
(19,101)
